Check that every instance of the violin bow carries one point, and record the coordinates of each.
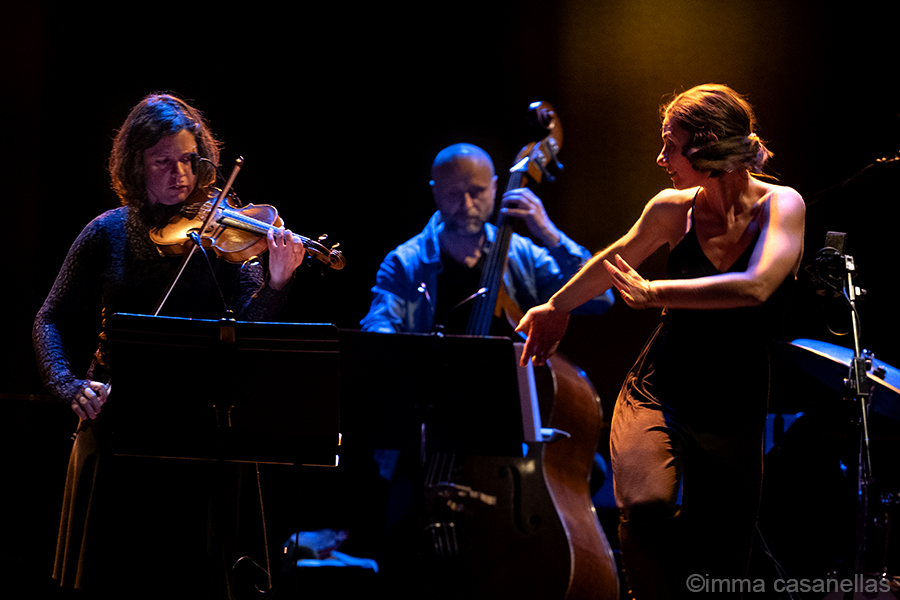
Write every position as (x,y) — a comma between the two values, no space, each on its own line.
(187,255)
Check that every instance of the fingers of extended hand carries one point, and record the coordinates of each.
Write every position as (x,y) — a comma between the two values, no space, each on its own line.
(544,328)
(528,349)
(618,277)
(633,288)
(541,351)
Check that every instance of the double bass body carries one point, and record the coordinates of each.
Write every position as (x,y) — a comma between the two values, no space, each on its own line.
(525,527)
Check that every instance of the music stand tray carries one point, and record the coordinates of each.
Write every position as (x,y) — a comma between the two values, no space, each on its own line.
(224,390)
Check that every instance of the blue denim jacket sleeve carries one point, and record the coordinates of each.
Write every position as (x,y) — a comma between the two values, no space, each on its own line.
(535,273)
(403,295)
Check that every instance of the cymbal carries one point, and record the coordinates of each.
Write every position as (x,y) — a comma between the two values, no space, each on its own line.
(830,364)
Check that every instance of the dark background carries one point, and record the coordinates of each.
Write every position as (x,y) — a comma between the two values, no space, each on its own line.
(338,112)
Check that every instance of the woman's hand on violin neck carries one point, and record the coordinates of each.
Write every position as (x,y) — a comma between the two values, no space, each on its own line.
(545,327)
(286,253)
(90,400)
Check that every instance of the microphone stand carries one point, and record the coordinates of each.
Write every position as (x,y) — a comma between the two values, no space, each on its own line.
(856,387)
(858,384)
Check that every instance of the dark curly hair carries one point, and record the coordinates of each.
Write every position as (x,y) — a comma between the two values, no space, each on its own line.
(155,117)
(721,124)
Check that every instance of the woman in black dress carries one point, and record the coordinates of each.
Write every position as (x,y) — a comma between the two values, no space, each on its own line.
(693,407)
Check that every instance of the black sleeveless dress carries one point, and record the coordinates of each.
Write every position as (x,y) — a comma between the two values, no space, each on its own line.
(692,410)
(710,366)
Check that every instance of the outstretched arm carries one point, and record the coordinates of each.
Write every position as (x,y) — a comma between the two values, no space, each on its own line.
(662,221)
(777,255)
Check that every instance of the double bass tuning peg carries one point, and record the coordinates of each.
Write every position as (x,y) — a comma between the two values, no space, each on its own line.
(553,150)
(551,160)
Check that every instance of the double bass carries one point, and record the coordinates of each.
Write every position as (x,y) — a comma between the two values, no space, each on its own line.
(524,527)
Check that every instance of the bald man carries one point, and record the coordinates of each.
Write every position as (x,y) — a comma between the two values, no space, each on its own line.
(421,282)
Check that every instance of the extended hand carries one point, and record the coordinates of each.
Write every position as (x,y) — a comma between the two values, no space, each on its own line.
(545,327)
(286,253)
(634,289)
(523,204)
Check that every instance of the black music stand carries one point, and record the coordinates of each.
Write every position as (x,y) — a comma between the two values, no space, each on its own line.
(430,393)
(224,390)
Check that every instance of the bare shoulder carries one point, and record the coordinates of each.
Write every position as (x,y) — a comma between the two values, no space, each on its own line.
(783,200)
(670,203)
(665,217)
(672,197)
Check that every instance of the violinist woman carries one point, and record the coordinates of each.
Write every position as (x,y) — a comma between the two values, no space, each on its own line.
(162,158)
(693,407)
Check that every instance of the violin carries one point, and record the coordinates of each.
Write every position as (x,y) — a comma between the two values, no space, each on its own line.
(235,233)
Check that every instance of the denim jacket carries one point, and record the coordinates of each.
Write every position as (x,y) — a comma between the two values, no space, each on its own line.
(405,293)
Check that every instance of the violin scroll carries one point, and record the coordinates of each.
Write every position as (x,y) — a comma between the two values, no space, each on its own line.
(330,256)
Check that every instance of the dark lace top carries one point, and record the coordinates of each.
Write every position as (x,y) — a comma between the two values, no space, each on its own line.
(114,267)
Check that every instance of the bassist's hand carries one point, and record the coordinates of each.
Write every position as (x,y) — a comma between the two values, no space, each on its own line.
(523,204)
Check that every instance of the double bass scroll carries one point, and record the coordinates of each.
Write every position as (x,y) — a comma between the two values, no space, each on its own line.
(532,165)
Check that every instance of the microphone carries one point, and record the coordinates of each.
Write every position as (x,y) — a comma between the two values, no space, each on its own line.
(480,292)
(196,159)
(835,240)
(423,289)
(439,327)
(830,265)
